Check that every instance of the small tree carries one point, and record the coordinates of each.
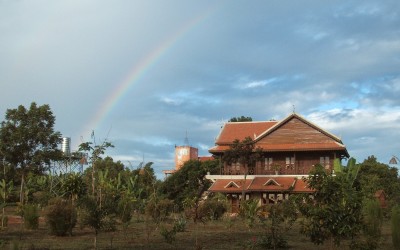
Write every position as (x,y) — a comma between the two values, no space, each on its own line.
(248,211)
(245,153)
(5,191)
(279,220)
(97,217)
(95,152)
(334,210)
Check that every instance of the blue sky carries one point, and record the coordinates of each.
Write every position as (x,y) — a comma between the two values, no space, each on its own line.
(337,63)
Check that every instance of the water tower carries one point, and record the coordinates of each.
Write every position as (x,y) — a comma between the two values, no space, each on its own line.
(66,146)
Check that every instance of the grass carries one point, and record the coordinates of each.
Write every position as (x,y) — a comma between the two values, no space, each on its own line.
(224,234)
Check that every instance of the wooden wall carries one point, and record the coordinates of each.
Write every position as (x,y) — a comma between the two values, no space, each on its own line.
(295,131)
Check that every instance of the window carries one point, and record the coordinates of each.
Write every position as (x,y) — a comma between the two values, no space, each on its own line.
(268,163)
(290,162)
(324,161)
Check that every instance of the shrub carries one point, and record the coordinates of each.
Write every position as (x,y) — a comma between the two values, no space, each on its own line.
(396,226)
(31,216)
(168,235)
(61,217)
(213,209)
(160,210)
(268,242)
(180,224)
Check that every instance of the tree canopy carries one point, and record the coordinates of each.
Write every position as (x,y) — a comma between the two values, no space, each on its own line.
(241,119)
(189,181)
(374,176)
(27,137)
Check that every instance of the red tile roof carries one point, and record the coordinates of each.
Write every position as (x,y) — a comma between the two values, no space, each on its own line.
(240,130)
(260,131)
(230,186)
(261,184)
(205,158)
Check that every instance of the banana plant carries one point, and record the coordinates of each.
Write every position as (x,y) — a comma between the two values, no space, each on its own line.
(351,170)
(5,190)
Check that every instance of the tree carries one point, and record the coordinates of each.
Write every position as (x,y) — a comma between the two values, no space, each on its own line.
(28,140)
(188,183)
(241,119)
(243,152)
(335,209)
(279,219)
(95,152)
(374,176)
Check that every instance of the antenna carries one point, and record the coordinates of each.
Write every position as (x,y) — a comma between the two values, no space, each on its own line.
(294,108)
(186,141)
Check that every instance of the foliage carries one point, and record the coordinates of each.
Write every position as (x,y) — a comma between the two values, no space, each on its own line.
(188,182)
(248,211)
(213,208)
(30,213)
(243,152)
(73,186)
(5,191)
(279,219)
(372,219)
(269,242)
(241,119)
(28,139)
(168,235)
(334,211)
(395,221)
(372,224)
(61,217)
(94,215)
(95,153)
(180,224)
(159,210)
(374,176)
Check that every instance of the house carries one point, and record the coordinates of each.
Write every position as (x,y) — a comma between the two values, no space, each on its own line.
(380,196)
(290,148)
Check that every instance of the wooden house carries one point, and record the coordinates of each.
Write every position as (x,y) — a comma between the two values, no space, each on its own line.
(290,148)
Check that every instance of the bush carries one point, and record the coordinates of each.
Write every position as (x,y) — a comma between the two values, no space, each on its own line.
(30,214)
(160,210)
(268,242)
(180,224)
(213,209)
(168,235)
(61,217)
(396,226)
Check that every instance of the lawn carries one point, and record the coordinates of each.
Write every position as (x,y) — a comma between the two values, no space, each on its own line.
(223,234)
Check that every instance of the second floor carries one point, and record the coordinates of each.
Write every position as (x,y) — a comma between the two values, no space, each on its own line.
(288,163)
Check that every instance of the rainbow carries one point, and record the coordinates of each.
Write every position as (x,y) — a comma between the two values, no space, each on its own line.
(139,69)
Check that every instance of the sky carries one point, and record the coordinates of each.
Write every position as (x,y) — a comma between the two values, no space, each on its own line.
(146,74)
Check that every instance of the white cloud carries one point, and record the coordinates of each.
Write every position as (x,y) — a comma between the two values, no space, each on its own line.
(336,62)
